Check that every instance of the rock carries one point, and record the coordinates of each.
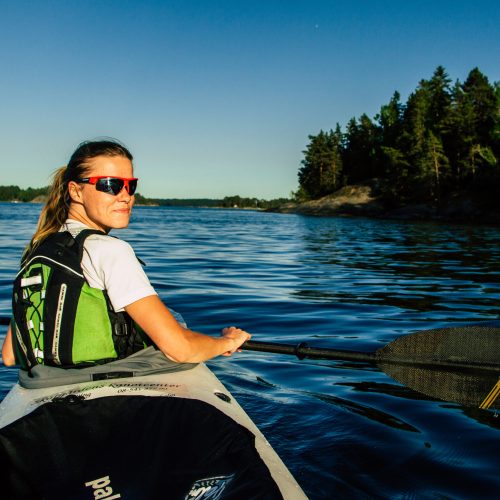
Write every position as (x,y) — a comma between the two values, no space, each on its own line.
(364,200)
(359,199)
(39,199)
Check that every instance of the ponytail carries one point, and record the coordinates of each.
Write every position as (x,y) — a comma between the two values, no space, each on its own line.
(56,209)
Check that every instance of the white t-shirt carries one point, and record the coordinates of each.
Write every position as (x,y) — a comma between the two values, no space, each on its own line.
(110,264)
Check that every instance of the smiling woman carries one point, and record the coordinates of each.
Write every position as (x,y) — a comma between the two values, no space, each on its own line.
(112,175)
(82,297)
(85,311)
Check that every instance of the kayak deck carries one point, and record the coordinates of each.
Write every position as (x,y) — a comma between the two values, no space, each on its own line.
(153,436)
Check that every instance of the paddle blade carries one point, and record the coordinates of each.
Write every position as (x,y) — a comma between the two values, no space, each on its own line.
(466,388)
(474,347)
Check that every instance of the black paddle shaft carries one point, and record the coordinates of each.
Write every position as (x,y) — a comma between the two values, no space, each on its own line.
(302,351)
(458,348)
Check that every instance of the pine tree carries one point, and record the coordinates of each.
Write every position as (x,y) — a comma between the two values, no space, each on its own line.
(473,120)
(390,121)
(361,150)
(321,169)
(437,180)
(397,175)
(439,95)
(414,143)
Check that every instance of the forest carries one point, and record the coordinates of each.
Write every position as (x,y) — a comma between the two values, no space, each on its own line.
(444,139)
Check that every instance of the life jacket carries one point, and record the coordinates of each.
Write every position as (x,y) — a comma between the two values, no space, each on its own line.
(59,320)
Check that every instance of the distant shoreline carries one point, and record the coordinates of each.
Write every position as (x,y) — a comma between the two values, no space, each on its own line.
(359,201)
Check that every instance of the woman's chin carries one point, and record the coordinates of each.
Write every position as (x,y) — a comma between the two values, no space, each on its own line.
(120,221)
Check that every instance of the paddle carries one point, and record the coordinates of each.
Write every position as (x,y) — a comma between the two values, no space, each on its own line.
(459,348)
(460,364)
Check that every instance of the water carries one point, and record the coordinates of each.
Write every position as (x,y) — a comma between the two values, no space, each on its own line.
(344,430)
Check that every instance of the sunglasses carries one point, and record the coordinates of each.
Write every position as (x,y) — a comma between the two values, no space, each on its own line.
(111,185)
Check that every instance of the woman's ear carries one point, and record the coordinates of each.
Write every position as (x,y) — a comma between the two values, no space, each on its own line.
(75,191)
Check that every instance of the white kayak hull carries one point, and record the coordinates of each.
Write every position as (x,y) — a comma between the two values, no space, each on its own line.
(198,384)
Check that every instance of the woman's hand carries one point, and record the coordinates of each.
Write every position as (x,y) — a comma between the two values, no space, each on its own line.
(238,337)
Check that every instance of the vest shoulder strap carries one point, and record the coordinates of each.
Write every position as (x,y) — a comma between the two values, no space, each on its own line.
(82,236)
(61,248)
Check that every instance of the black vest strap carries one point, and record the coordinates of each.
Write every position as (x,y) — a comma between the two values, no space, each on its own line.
(80,238)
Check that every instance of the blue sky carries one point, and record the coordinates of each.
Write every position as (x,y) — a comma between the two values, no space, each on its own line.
(216,98)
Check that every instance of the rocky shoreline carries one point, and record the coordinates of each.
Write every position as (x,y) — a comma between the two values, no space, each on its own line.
(363,200)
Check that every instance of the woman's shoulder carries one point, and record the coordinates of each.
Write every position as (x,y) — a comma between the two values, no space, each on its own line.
(95,240)
(108,256)
(107,243)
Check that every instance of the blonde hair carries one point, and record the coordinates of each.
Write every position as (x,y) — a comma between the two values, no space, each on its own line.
(56,209)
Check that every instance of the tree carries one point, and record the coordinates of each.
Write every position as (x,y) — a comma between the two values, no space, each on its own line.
(321,169)
(396,179)
(440,167)
(390,121)
(414,140)
(362,150)
(482,97)
(439,96)
(473,120)
(496,126)
(424,121)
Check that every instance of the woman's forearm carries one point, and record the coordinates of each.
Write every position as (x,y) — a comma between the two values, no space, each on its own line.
(178,343)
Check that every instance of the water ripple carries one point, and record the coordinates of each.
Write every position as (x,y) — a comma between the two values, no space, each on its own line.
(344,429)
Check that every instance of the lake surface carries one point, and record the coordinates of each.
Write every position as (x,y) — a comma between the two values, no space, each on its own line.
(345,430)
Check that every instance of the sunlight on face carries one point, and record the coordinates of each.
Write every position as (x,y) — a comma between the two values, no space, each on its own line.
(105,211)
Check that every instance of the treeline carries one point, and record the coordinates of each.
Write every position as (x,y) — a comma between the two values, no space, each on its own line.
(176,202)
(235,201)
(444,139)
(15,193)
(241,202)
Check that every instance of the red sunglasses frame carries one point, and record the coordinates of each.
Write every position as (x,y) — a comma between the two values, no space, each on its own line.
(95,179)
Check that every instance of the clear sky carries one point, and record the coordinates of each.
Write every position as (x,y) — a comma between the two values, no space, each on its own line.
(216,98)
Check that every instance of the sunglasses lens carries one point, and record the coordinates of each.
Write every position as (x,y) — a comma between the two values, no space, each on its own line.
(132,186)
(110,185)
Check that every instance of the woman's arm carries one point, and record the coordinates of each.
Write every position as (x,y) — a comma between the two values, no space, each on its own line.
(8,358)
(178,343)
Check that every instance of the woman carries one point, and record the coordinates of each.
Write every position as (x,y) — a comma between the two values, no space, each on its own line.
(96,192)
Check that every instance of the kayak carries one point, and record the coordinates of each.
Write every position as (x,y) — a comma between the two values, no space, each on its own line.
(169,435)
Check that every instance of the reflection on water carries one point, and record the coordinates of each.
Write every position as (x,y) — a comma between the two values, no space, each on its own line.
(424,267)
(344,429)
(365,411)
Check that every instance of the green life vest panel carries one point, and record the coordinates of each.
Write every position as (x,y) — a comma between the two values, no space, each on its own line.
(59,320)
